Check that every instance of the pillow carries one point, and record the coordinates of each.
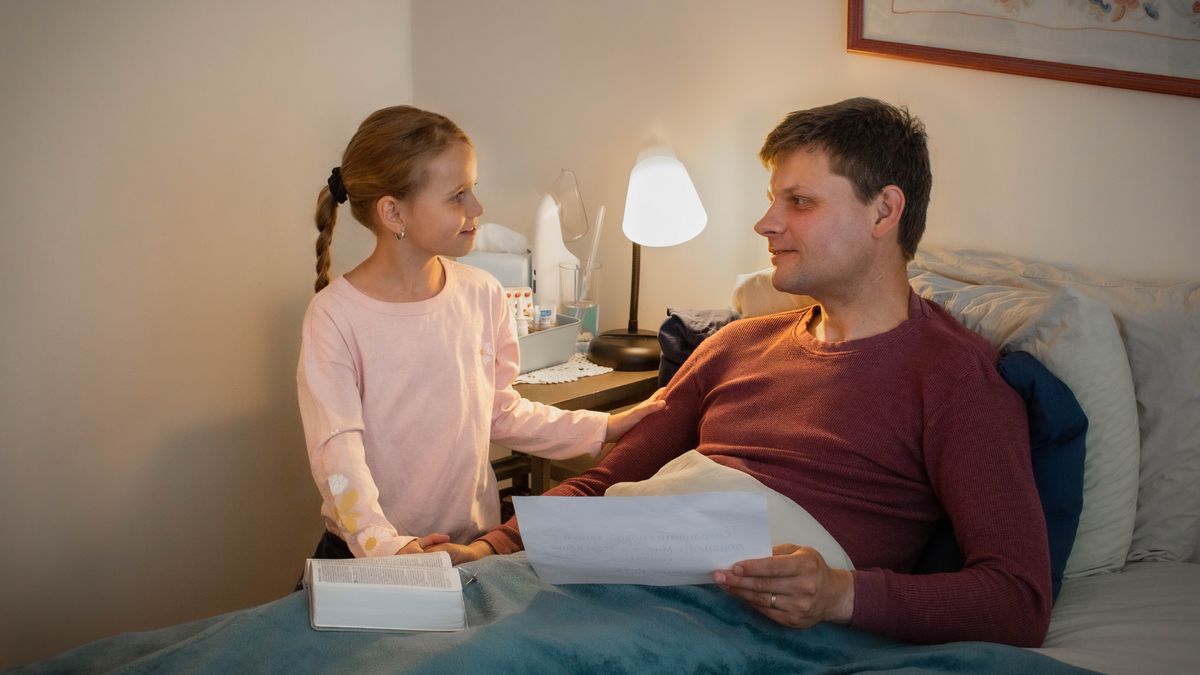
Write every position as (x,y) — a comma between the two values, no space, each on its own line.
(1057,434)
(1057,442)
(789,522)
(1160,325)
(683,331)
(755,295)
(1076,339)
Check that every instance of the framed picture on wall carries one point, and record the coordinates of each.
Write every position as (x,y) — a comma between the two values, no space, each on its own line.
(1150,45)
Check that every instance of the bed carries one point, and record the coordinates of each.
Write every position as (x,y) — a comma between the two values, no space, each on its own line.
(517,623)
(1129,602)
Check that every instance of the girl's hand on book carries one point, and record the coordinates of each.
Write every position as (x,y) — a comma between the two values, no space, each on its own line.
(422,544)
(619,423)
(460,554)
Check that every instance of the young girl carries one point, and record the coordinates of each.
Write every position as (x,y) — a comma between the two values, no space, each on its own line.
(407,361)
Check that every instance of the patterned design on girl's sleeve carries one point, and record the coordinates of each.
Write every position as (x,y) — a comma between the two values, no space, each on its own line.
(345,499)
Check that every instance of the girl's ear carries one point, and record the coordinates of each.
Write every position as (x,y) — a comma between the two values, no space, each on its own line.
(390,213)
(888,207)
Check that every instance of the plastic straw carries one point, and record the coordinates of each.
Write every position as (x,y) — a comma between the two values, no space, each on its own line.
(589,263)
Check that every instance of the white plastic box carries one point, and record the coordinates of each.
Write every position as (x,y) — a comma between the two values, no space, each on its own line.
(549,347)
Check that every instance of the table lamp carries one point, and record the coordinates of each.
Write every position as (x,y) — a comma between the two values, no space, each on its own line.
(662,208)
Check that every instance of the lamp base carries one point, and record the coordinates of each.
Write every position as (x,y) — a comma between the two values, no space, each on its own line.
(622,350)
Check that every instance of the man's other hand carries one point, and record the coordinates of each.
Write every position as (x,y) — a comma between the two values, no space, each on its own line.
(793,587)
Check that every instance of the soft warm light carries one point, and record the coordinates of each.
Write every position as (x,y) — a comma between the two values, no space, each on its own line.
(662,207)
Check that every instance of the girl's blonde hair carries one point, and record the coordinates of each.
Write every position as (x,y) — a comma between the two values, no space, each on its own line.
(388,156)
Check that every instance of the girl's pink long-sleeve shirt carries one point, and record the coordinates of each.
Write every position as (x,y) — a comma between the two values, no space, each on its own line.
(400,400)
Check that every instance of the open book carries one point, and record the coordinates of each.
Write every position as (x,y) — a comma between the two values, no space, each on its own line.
(420,591)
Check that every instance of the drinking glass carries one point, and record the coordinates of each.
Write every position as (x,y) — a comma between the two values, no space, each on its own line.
(577,293)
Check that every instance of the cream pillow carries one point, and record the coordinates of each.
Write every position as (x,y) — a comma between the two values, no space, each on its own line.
(789,522)
(754,295)
(1076,339)
(1160,325)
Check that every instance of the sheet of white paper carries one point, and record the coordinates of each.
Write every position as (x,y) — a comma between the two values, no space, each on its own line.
(657,541)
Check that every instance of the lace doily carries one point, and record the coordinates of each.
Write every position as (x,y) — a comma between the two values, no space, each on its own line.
(576,367)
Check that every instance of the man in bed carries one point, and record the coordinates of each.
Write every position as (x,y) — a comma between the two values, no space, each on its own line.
(874,410)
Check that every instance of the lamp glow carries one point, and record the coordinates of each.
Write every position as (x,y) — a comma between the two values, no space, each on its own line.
(662,208)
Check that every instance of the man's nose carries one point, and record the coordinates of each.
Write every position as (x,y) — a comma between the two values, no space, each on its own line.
(768,224)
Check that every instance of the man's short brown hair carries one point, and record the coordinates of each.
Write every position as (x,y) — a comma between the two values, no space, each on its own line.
(871,143)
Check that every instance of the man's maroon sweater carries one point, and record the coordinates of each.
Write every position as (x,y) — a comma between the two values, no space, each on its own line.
(878,439)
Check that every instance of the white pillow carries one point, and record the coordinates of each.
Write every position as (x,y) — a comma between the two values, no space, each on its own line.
(754,295)
(789,522)
(1160,325)
(1076,339)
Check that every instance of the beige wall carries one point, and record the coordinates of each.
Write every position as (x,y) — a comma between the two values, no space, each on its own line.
(1065,172)
(159,163)
(158,167)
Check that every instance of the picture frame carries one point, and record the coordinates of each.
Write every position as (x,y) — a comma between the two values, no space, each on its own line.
(1082,44)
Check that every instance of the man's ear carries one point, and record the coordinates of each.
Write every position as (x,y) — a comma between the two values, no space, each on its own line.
(390,214)
(889,205)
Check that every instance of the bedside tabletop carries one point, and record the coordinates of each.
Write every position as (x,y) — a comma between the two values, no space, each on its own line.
(598,392)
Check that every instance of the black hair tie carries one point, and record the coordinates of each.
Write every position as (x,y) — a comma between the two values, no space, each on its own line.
(336,189)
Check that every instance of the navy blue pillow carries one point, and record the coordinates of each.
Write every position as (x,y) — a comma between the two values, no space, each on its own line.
(1057,436)
(682,332)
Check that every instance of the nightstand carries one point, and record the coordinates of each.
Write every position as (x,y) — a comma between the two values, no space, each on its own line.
(604,393)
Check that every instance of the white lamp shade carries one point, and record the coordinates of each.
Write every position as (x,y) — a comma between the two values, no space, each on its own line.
(662,207)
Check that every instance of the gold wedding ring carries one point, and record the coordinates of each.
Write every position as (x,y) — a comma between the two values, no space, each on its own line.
(773,596)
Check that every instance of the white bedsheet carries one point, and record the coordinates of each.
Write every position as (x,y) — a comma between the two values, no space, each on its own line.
(1143,619)
(789,522)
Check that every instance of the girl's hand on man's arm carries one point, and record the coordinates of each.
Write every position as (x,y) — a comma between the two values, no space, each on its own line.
(622,422)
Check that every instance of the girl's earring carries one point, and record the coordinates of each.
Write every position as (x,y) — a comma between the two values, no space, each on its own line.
(400,235)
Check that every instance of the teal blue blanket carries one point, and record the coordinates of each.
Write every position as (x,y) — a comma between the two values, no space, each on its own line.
(517,623)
